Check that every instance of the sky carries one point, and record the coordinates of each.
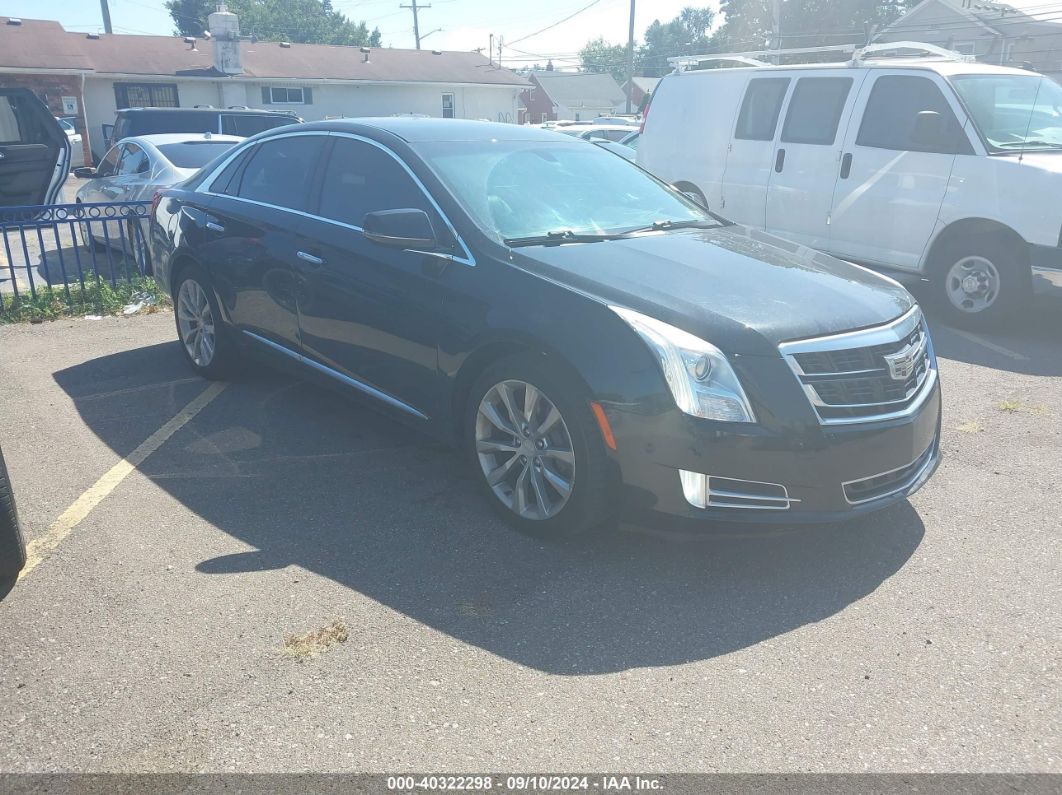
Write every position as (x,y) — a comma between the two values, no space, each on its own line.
(466,24)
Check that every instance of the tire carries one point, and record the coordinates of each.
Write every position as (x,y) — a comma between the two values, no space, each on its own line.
(88,240)
(575,435)
(211,354)
(12,546)
(137,241)
(980,281)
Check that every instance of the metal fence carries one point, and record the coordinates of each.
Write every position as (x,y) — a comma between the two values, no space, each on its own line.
(71,252)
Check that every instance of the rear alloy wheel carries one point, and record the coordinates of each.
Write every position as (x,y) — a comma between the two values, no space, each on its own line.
(538,452)
(981,282)
(199,326)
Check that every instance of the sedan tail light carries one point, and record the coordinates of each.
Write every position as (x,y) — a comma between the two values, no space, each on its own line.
(155,203)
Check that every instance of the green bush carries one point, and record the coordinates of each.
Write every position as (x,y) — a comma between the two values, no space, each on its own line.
(96,298)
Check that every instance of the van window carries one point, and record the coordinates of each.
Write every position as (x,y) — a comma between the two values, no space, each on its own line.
(892,112)
(815,110)
(760,108)
(280,172)
(248,124)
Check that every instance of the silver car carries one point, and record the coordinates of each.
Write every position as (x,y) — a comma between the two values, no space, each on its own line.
(134,168)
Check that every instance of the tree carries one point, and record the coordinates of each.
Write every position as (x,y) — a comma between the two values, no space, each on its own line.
(600,57)
(299,21)
(686,34)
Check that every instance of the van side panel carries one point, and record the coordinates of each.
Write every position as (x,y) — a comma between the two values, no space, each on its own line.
(688,130)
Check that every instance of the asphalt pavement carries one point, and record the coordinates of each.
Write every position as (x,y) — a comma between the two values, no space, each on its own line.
(153,636)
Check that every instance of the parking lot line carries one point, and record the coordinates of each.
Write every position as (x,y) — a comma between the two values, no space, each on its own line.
(38,550)
(991,345)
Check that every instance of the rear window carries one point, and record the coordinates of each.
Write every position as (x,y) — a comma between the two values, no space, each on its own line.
(194,154)
(154,123)
(247,124)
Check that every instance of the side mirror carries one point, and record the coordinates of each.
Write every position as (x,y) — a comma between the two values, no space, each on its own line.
(85,172)
(928,133)
(400,229)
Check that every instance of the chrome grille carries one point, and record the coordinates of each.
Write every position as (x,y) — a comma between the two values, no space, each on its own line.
(867,375)
(887,483)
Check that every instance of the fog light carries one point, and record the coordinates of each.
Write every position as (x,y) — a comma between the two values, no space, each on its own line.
(695,488)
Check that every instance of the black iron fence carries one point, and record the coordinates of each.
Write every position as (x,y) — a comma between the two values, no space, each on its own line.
(81,255)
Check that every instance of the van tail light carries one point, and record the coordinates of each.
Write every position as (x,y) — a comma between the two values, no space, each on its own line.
(645,114)
(155,203)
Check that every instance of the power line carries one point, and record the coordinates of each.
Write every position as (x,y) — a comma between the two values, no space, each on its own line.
(559,22)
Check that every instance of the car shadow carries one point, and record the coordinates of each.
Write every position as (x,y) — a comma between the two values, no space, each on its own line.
(309,478)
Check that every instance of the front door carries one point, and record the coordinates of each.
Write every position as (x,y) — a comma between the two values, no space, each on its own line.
(892,177)
(806,155)
(251,228)
(371,312)
(34,150)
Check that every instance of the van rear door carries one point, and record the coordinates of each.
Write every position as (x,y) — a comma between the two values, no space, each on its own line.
(807,153)
(894,170)
(34,150)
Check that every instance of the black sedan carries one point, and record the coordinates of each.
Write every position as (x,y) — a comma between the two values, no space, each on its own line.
(596,341)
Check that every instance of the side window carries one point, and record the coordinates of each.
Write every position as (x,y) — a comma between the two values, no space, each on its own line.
(815,110)
(226,182)
(760,108)
(134,161)
(362,178)
(280,172)
(109,165)
(891,118)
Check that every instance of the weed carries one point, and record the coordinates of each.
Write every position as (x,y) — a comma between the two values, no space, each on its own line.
(302,647)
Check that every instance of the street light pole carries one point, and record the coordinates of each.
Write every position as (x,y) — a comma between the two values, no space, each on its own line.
(630,59)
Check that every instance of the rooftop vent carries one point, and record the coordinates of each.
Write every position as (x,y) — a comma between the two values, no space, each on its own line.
(365,51)
(436,52)
(14,21)
(286,45)
(93,36)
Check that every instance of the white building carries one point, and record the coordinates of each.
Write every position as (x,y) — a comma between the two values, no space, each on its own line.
(87,77)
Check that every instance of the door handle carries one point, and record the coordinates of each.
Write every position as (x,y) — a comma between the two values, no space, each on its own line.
(846,165)
(310,258)
(213,227)
(779,161)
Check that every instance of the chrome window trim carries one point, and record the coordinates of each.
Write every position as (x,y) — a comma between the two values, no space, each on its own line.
(916,479)
(361,386)
(467,259)
(894,331)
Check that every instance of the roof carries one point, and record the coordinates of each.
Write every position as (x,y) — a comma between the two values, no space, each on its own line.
(938,65)
(580,89)
(646,84)
(37,44)
(995,18)
(164,139)
(444,130)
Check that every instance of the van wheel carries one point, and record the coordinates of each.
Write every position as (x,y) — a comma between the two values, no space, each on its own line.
(981,282)
(693,192)
(536,448)
(12,547)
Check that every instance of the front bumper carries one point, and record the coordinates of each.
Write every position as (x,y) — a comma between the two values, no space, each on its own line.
(812,462)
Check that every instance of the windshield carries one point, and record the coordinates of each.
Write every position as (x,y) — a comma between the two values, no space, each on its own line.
(1014,111)
(194,154)
(522,189)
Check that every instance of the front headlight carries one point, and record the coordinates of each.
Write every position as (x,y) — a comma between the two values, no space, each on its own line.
(701,379)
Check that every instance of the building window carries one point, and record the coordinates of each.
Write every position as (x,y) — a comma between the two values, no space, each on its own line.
(146,95)
(448,106)
(280,95)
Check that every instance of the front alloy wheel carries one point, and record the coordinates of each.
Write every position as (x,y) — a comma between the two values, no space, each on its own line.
(525,450)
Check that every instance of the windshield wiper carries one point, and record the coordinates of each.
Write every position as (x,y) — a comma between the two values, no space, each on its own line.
(661,226)
(556,238)
(1050,144)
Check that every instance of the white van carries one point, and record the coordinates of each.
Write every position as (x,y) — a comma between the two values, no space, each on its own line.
(933,166)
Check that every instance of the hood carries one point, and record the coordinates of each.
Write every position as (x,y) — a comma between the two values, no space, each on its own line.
(741,289)
(1051,162)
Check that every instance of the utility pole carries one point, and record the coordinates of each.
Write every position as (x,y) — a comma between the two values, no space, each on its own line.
(501,41)
(105,9)
(776,27)
(416,22)
(630,59)
(490,50)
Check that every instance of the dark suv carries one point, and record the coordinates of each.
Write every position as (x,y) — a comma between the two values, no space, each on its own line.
(244,122)
(596,341)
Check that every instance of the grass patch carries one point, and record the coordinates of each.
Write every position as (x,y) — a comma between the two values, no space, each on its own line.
(973,426)
(1009,406)
(97,298)
(302,647)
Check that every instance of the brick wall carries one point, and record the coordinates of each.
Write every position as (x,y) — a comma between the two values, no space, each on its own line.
(51,89)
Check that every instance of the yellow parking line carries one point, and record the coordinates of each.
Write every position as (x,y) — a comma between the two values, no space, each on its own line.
(38,550)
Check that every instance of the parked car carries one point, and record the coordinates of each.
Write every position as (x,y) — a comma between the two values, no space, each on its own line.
(12,546)
(934,167)
(594,340)
(34,150)
(136,168)
(588,132)
(631,140)
(77,151)
(241,122)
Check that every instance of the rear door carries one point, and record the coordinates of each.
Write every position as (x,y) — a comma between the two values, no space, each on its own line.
(34,150)
(806,156)
(750,155)
(890,182)
(251,230)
